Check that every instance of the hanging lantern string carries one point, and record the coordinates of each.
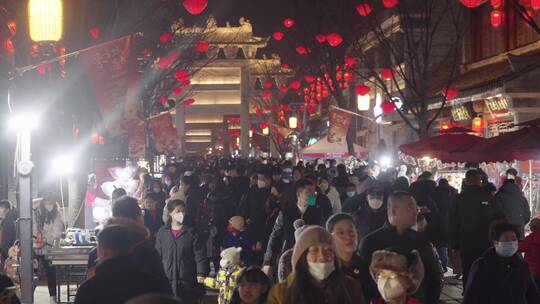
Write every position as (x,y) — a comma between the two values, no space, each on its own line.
(20,71)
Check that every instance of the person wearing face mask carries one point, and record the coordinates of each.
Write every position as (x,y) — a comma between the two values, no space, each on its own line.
(317,276)
(331,193)
(362,184)
(501,275)
(48,226)
(282,236)
(371,215)
(157,189)
(183,254)
(256,214)
(152,214)
(402,212)
(397,273)
(8,216)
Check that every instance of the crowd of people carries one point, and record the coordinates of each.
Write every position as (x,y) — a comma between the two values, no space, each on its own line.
(275,233)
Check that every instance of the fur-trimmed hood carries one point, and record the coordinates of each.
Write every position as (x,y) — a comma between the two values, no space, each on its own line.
(138,229)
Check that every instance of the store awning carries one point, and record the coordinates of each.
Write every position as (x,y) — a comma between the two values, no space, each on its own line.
(325,149)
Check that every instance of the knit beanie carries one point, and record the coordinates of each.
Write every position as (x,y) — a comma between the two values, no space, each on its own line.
(299,226)
(237,222)
(311,236)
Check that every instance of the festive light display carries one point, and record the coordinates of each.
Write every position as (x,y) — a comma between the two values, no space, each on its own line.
(288,23)
(471,3)
(202,46)
(195,7)
(278,36)
(387,74)
(450,93)
(334,39)
(496,18)
(45,20)
(364,9)
(362,90)
(390,3)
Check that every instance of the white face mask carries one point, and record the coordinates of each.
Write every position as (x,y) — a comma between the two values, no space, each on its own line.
(261,184)
(390,288)
(324,187)
(303,209)
(223,263)
(179,217)
(351,193)
(375,203)
(506,249)
(321,271)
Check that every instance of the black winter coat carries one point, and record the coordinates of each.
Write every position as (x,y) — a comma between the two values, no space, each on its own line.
(351,204)
(183,258)
(369,220)
(254,210)
(387,237)
(116,281)
(496,280)
(511,202)
(282,236)
(471,215)
(425,194)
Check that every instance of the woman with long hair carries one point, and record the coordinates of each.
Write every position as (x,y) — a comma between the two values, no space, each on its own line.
(252,287)
(317,276)
(183,253)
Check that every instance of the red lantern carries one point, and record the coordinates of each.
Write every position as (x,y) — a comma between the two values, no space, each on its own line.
(259,112)
(390,3)
(202,46)
(295,84)
(320,38)
(444,127)
(147,53)
(94,32)
(181,75)
(364,9)
(177,90)
(186,82)
(278,36)
(362,90)
(12,26)
(387,107)
(94,138)
(267,94)
(166,61)
(165,38)
(350,61)
(189,102)
(535,4)
(10,47)
(283,88)
(195,7)
(163,100)
(334,39)
(288,23)
(496,3)
(450,93)
(471,3)
(477,124)
(285,66)
(496,18)
(309,78)
(301,50)
(387,74)
(268,84)
(310,109)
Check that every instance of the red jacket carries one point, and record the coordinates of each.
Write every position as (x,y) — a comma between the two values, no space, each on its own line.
(531,247)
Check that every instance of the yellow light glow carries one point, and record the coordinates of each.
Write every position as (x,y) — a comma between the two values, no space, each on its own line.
(293,122)
(199,132)
(45,20)
(198,139)
(201,119)
(363,102)
(265,131)
(250,133)
(238,141)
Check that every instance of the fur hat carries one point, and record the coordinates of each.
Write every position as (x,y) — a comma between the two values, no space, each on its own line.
(312,235)
(232,255)
(407,266)
(535,223)
(237,222)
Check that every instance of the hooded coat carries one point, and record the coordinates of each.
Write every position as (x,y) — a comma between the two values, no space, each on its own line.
(511,202)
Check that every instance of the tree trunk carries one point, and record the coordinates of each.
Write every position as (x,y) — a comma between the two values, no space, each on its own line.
(423,128)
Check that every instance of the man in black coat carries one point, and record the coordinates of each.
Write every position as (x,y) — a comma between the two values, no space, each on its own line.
(397,232)
(117,278)
(424,191)
(470,217)
(372,214)
(282,236)
(511,203)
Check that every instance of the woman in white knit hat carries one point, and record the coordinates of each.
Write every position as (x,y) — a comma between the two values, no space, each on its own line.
(316,276)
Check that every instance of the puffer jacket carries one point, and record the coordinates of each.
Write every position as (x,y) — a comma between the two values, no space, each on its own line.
(511,202)
(531,247)
(183,258)
(226,281)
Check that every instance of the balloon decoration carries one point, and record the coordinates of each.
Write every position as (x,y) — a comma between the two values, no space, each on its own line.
(387,74)
(288,23)
(95,32)
(165,38)
(389,3)
(202,46)
(471,3)
(362,89)
(278,36)
(334,39)
(496,18)
(320,38)
(364,9)
(450,93)
(387,107)
(195,7)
